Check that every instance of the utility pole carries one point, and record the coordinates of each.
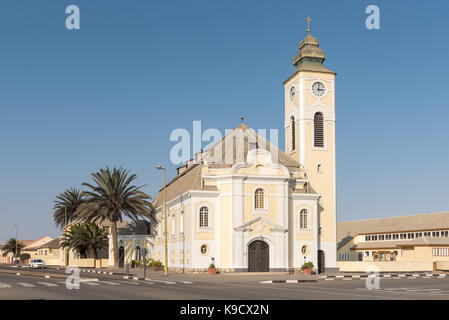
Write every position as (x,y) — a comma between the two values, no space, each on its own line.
(17,240)
(65,226)
(165,221)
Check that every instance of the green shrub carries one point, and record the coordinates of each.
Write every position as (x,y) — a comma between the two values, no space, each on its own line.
(212,266)
(136,262)
(307,265)
(155,263)
(24,256)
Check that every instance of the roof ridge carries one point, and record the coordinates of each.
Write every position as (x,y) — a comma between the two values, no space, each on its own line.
(401,216)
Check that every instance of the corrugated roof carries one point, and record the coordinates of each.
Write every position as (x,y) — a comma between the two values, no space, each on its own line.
(53,244)
(428,221)
(443,241)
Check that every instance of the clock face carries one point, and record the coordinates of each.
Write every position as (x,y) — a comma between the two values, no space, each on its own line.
(292,94)
(318,89)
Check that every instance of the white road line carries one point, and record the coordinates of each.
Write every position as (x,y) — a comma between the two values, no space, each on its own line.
(166,282)
(90,283)
(26,285)
(187,282)
(48,284)
(110,283)
(4,285)
(129,282)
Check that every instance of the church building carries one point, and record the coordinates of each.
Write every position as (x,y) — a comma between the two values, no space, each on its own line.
(245,205)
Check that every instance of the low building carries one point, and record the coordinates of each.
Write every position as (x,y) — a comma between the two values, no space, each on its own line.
(422,238)
(29,247)
(132,238)
(50,253)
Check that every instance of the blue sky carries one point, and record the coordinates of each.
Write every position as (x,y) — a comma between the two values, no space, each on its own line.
(110,93)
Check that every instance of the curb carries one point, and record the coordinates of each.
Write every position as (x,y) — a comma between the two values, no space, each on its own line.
(288,281)
(390,276)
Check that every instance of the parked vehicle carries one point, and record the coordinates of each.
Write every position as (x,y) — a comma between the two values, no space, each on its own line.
(37,264)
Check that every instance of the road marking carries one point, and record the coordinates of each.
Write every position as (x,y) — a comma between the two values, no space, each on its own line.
(48,284)
(166,282)
(90,283)
(187,282)
(4,285)
(129,282)
(111,283)
(26,285)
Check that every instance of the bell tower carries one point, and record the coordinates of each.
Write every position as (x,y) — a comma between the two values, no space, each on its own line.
(310,135)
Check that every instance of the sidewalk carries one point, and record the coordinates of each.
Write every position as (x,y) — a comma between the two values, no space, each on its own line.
(237,277)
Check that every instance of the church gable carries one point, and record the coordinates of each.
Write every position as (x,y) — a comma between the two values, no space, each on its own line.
(260,162)
(261,225)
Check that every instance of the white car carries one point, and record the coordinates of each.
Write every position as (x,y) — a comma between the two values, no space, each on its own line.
(37,264)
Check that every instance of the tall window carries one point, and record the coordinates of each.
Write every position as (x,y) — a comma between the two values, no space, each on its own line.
(137,253)
(204,217)
(181,223)
(173,225)
(318,130)
(303,215)
(292,120)
(259,201)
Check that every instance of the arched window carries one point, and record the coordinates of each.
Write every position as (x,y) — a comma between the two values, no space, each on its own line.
(259,199)
(204,217)
(318,124)
(303,216)
(292,120)
(137,253)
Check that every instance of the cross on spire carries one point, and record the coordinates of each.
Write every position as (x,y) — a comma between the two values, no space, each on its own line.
(308,24)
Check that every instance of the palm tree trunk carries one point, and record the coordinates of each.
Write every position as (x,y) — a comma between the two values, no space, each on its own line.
(115,244)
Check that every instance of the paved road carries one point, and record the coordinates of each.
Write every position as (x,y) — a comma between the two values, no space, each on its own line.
(114,287)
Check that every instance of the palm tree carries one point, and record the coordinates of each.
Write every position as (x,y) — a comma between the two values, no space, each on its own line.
(67,203)
(10,246)
(95,239)
(111,198)
(73,239)
(85,238)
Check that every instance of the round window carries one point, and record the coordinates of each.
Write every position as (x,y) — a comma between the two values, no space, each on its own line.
(203,249)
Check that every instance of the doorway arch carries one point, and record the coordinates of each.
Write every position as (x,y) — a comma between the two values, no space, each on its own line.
(121,257)
(258,256)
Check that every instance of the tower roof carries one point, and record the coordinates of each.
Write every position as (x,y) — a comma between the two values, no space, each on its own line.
(310,56)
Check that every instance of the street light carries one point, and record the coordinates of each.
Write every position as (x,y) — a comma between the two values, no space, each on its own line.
(17,232)
(65,226)
(165,221)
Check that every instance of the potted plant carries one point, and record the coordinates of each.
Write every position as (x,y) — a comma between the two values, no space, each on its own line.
(307,268)
(212,269)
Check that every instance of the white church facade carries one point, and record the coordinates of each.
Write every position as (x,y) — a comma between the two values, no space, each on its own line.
(245,205)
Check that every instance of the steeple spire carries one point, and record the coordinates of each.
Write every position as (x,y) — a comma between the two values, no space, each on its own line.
(308,24)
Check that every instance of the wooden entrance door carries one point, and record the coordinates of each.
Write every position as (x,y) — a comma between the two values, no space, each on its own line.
(258,256)
(321,261)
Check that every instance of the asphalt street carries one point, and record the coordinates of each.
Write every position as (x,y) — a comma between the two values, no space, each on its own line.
(181,287)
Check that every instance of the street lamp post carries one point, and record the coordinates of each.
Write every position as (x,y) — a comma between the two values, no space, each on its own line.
(165,221)
(17,232)
(65,226)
